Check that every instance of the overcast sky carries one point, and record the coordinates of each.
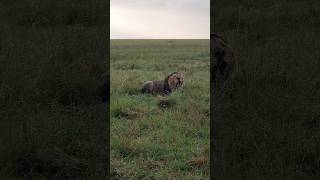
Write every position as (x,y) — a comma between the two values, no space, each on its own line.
(160,19)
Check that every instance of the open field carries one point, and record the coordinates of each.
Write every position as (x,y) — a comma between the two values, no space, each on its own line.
(151,141)
(269,128)
(52,121)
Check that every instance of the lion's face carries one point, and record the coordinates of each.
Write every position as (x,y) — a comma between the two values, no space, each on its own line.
(175,80)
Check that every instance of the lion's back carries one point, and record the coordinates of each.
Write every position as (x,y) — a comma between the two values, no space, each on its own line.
(153,87)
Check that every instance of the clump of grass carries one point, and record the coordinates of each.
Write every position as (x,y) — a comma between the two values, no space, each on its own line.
(165,102)
(198,161)
(133,113)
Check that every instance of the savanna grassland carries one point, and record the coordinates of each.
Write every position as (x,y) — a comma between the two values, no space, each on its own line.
(268,125)
(52,120)
(154,137)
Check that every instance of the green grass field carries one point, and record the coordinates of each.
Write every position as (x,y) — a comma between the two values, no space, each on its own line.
(149,141)
(269,128)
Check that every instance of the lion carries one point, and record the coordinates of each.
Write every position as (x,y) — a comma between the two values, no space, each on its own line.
(164,87)
(225,60)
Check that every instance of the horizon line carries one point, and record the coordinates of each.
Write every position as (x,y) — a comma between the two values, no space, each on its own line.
(159,38)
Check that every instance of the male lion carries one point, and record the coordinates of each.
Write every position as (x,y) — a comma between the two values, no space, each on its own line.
(164,87)
(225,60)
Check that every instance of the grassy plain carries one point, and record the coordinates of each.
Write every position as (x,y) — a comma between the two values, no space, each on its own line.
(154,137)
(269,128)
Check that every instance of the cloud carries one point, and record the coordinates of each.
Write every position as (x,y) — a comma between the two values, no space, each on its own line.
(187,19)
(138,3)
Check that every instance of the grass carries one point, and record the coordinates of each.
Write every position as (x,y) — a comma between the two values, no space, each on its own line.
(53,124)
(154,137)
(267,126)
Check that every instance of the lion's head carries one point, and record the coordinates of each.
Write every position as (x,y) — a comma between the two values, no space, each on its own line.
(224,59)
(174,80)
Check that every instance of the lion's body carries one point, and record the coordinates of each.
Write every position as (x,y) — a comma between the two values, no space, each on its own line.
(225,60)
(163,87)
(154,87)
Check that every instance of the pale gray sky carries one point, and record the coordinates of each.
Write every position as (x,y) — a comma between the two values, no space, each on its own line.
(160,19)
